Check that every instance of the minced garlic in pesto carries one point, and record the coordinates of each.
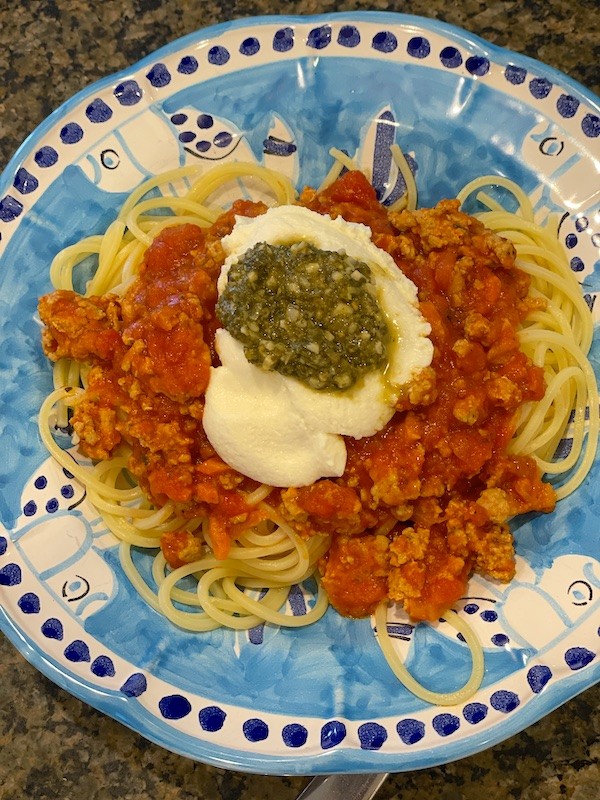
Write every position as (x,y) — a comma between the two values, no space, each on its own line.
(306,313)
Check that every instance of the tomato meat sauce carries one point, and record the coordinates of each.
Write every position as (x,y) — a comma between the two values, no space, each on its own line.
(422,504)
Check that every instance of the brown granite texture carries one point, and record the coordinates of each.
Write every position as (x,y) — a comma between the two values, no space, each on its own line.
(52,746)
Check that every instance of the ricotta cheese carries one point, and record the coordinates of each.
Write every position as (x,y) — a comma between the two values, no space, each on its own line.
(276,429)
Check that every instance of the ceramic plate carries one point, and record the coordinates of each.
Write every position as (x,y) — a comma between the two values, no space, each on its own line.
(283,91)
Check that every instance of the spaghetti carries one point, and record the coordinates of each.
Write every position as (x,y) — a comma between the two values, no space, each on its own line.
(557,337)
(250,580)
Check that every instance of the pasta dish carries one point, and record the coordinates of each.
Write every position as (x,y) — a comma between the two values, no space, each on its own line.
(264,409)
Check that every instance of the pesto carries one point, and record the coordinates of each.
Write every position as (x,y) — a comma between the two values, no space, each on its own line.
(306,313)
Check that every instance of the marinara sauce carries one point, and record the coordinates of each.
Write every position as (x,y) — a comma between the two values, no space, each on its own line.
(422,504)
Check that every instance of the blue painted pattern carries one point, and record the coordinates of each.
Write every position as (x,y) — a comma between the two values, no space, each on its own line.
(372,716)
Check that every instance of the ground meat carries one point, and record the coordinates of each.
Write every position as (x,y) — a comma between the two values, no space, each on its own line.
(78,327)
(150,354)
(423,503)
(438,472)
(355,573)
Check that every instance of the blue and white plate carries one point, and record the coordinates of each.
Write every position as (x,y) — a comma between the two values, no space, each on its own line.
(282,91)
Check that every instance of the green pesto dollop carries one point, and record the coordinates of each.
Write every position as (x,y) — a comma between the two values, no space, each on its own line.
(306,313)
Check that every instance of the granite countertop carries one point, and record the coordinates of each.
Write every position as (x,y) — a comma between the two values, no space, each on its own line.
(54,746)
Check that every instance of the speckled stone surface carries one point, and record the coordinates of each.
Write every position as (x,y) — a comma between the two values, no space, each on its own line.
(52,746)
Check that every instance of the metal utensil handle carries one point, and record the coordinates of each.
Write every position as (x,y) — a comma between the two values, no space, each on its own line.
(343,787)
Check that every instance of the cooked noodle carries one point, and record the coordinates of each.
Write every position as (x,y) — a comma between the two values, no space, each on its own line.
(403,675)
(557,338)
(252,585)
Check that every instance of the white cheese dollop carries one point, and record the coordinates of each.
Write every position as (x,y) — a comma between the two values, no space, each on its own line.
(276,429)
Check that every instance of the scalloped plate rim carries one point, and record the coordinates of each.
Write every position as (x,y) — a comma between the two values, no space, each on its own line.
(338,759)
(397,18)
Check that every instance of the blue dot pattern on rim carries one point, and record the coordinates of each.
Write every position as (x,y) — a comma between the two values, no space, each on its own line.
(477,65)
(567,106)
(538,676)
(283,40)
(445,724)
(10,575)
(475,713)
(385,42)
(294,735)
(255,730)
(348,36)
(98,111)
(320,37)
(71,133)
(540,88)
(451,57)
(128,93)
(159,76)
(135,685)
(504,701)
(188,65)
(410,731)
(579,657)
(174,706)
(218,55)
(77,651)
(103,667)
(372,735)
(212,718)
(418,47)
(25,182)
(53,629)
(10,208)
(515,75)
(250,46)
(29,603)
(332,733)
(590,125)
(46,156)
